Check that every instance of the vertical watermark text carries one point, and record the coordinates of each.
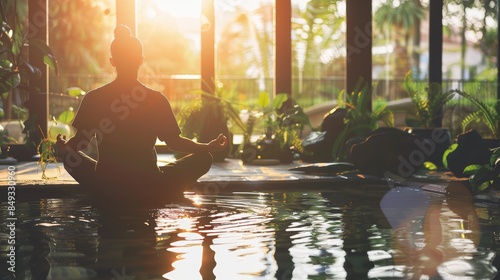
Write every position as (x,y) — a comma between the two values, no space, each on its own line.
(10,221)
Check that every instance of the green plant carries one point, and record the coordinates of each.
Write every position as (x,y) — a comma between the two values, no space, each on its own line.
(47,152)
(47,147)
(359,118)
(488,114)
(284,120)
(209,115)
(5,139)
(280,121)
(428,99)
(16,71)
(481,176)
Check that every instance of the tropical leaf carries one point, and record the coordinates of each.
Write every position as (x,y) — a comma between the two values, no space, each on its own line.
(428,99)
(75,91)
(472,169)
(48,57)
(487,114)
(382,113)
(8,80)
(67,116)
(471,118)
(279,100)
(263,101)
(480,180)
(495,155)
(359,118)
(450,149)
(429,165)
(341,102)
(19,112)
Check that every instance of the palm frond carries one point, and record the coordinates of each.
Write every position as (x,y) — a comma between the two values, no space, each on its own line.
(382,113)
(428,99)
(471,118)
(488,114)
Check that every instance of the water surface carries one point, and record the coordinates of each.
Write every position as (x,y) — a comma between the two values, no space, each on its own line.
(400,233)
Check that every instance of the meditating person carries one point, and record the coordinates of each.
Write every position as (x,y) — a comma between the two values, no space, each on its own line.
(126,118)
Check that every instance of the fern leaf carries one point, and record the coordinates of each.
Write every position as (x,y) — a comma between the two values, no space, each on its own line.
(471,118)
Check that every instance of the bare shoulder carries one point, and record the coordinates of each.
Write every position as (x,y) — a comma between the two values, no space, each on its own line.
(97,91)
(156,94)
(152,91)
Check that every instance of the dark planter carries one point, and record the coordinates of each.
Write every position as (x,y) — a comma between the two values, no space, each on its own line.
(491,143)
(23,152)
(471,149)
(433,143)
(4,152)
(266,149)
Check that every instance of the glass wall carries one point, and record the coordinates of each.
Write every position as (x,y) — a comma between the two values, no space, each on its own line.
(80,33)
(170,31)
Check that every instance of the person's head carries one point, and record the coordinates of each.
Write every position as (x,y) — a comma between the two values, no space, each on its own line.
(126,50)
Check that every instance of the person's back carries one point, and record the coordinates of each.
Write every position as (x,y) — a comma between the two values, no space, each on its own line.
(126,120)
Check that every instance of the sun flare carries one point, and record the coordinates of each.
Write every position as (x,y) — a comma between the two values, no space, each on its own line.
(181,8)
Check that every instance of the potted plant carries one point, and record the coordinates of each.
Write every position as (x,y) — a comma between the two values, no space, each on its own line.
(357,118)
(283,121)
(429,101)
(488,115)
(470,157)
(47,149)
(209,115)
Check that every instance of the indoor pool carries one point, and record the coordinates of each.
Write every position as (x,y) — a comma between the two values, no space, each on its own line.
(400,233)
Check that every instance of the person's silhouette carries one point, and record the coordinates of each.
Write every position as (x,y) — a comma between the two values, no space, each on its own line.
(126,118)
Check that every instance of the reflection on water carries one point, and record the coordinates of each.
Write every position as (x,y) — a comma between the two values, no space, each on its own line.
(401,233)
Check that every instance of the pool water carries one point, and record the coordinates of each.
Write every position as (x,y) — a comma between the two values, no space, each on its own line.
(398,233)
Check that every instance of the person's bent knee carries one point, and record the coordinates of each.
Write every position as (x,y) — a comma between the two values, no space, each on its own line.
(205,160)
(79,165)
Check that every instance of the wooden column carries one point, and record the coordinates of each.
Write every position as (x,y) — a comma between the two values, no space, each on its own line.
(498,54)
(436,50)
(126,14)
(207,46)
(283,47)
(359,45)
(38,103)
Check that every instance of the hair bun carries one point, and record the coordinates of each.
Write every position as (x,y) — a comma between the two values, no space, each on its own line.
(122,32)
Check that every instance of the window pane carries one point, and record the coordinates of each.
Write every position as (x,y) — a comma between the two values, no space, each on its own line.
(170,32)
(80,33)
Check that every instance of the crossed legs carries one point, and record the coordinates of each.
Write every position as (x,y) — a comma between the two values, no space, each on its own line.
(178,174)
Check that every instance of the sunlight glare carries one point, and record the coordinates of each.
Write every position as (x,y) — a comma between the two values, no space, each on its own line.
(187,264)
(181,8)
(185,223)
(197,199)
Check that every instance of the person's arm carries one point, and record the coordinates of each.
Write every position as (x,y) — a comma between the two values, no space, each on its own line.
(181,144)
(74,144)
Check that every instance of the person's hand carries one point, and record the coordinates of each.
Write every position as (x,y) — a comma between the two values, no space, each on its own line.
(219,143)
(61,142)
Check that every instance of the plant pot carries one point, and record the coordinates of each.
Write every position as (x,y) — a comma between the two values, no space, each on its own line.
(23,152)
(266,149)
(4,152)
(491,143)
(286,155)
(433,144)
